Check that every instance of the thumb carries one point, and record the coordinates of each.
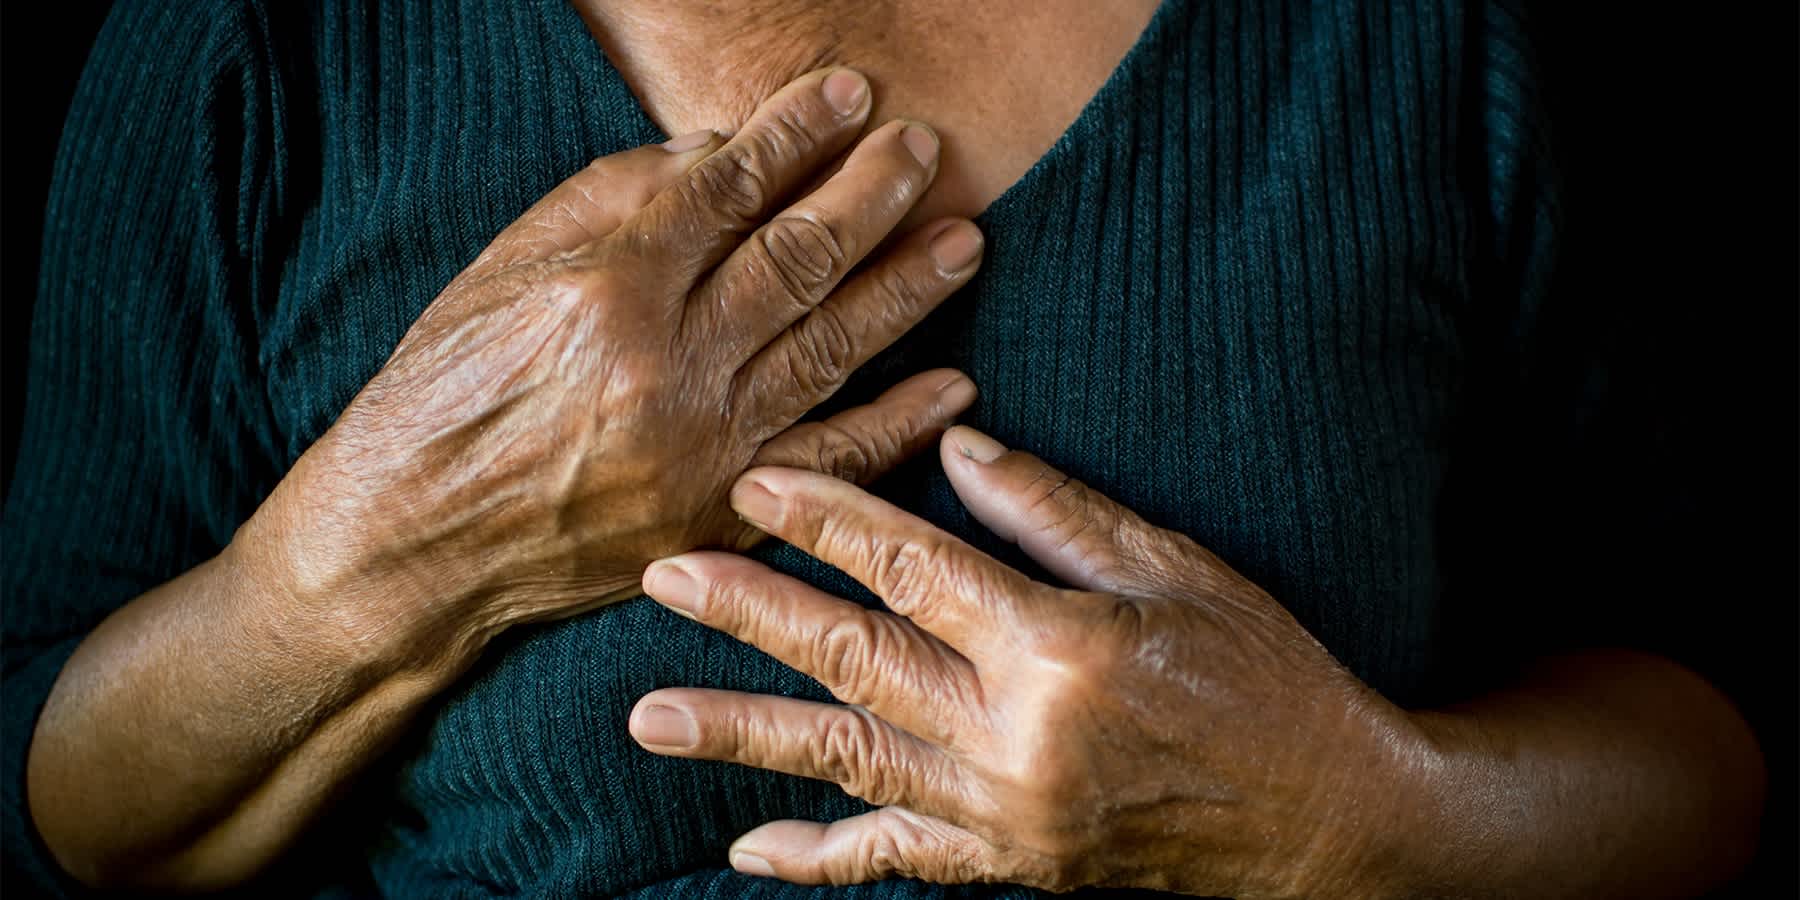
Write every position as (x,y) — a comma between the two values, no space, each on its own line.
(1079,535)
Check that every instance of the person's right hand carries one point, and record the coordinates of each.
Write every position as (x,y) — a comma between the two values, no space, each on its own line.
(579,401)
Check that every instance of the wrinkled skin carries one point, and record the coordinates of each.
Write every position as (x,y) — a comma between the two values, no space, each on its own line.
(1164,724)
(578,402)
(574,405)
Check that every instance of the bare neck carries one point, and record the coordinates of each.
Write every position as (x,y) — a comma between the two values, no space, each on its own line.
(999,80)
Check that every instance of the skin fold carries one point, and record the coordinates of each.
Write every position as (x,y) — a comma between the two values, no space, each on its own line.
(1164,723)
(573,405)
(586,398)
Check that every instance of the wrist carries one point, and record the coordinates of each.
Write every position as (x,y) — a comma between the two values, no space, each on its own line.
(1433,825)
(329,580)
(432,552)
(1391,828)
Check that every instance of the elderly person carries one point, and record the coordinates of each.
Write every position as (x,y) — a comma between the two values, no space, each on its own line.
(313,557)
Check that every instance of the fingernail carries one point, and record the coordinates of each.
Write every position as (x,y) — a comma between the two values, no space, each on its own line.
(956,247)
(751,864)
(756,503)
(693,140)
(666,726)
(922,142)
(668,583)
(977,446)
(957,393)
(845,90)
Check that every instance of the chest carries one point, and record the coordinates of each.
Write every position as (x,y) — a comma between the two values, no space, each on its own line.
(1231,295)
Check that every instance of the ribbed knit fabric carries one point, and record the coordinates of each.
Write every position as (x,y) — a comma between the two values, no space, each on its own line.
(1249,293)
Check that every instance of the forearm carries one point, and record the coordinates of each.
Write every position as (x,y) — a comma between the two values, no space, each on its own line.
(1602,774)
(199,729)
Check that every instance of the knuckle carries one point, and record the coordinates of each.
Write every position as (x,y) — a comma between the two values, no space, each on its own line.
(787,136)
(598,171)
(853,753)
(631,383)
(804,253)
(603,286)
(732,181)
(742,739)
(907,845)
(885,856)
(841,455)
(893,848)
(846,654)
(840,655)
(907,573)
(635,194)
(1085,657)
(599,186)
(823,352)
(1074,673)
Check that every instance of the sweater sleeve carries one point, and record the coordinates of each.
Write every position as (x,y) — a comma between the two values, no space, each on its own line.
(146,437)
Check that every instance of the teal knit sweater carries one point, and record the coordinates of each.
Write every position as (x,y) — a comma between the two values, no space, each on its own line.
(1264,291)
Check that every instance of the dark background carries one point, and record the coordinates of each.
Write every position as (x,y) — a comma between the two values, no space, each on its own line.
(1677,134)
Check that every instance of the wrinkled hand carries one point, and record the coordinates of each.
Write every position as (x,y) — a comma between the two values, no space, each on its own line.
(578,402)
(1166,724)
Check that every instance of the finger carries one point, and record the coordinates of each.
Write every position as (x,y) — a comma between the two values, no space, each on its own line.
(861,444)
(1074,532)
(955,592)
(792,262)
(865,657)
(733,191)
(593,202)
(808,363)
(845,745)
(889,842)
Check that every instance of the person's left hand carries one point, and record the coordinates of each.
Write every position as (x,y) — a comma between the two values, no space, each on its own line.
(1166,724)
